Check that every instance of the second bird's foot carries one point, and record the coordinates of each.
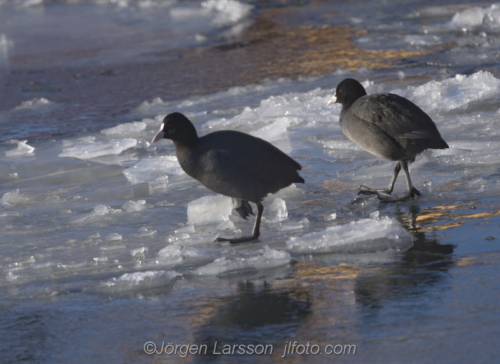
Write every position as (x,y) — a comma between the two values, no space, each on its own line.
(407,196)
(388,198)
(243,239)
(365,190)
(385,194)
(414,192)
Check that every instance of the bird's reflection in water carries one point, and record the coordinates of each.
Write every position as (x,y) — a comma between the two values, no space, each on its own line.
(254,315)
(421,269)
(426,250)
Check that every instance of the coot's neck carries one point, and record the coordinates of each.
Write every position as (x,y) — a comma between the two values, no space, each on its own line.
(184,144)
(351,99)
(188,138)
(185,152)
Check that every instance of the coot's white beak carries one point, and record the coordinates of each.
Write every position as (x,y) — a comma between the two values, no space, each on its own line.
(158,136)
(332,100)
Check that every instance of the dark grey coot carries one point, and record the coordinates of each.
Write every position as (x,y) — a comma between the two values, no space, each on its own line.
(231,163)
(389,127)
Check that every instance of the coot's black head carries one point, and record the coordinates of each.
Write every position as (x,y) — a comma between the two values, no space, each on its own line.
(178,128)
(348,91)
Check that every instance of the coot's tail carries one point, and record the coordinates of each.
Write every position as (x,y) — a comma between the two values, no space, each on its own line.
(439,144)
(299,179)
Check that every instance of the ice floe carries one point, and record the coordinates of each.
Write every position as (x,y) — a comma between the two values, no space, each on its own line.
(265,258)
(209,209)
(361,236)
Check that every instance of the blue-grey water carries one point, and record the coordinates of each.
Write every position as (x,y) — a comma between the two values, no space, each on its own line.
(106,246)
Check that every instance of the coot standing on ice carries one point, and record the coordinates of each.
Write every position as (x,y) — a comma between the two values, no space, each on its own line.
(389,127)
(231,163)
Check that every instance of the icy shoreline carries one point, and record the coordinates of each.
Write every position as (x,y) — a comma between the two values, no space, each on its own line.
(111,193)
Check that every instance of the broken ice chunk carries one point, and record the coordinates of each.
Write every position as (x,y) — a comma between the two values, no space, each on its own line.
(153,169)
(134,206)
(277,211)
(209,209)
(146,279)
(23,149)
(86,149)
(265,259)
(114,237)
(363,236)
(125,129)
(226,225)
(14,198)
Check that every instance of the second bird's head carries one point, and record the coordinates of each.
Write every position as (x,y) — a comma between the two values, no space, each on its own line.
(347,92)
(177,128)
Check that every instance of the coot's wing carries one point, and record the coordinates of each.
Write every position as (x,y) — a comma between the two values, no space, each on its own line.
(369,136)
(247,167)
(397,116)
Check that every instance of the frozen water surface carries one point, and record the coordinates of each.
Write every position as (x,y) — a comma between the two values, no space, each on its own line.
(105,243)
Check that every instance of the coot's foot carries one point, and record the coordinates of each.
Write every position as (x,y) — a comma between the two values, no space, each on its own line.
(388,198)
(383,197)
(414,192)
(243,239)
(365,190)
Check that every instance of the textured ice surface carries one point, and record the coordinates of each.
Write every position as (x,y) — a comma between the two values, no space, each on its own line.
(134,206)
(276,133)
(227,12)
(14,198)
(87,148)
(265,258)
(34,105)
(125,129)
(362,236)
(99,214)
(276,211)
(153,169)
(148,279)
(457,92)
(468,18)
(5,45)
(22,149)
(476,16)
(177,255)
(228,15)
(209,209)
(70,227)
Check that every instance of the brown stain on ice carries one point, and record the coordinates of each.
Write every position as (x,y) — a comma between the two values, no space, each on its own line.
(445,217)
(339,271)
(274,50)
(334,185)
(271,48)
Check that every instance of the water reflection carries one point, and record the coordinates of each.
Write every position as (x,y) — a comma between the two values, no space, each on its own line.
(327,298)
(254,315)
(423,266)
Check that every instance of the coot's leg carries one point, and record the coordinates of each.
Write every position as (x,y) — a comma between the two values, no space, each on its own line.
(397,168)
(365,190)
(256,229)
(412,191)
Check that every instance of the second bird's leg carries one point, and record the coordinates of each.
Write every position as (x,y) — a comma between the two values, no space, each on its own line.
(256,229)
(365,190)
(397,168)
(412,191)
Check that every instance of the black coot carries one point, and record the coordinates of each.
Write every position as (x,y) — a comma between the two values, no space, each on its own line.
(388,126)
(231,163)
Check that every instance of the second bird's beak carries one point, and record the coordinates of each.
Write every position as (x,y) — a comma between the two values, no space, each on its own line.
(332,100)
(158,136)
